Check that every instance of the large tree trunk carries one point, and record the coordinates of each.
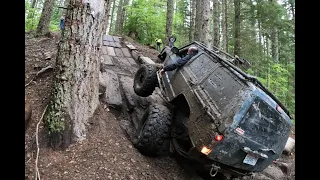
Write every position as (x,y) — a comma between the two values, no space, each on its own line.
(76,81)
(207,38)
(225,25)
(192,18)
(199,19)
(44,22)
(202,30)
(216,22)
(119,14)
(122,15)
(108,16)
(237,48)
(169,20)
(112,23)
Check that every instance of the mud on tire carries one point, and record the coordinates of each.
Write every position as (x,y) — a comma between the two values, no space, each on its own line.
(145,80)
(153,134)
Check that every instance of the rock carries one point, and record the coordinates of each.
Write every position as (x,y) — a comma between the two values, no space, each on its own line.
(289,146)
(130,96)
(126,52)
(102,83)
(135,54)
(112,94)
(274,172)
(110,51)
(286,168)
(118,52)
(257,176)
(132,61)
(107,60)
(145,60)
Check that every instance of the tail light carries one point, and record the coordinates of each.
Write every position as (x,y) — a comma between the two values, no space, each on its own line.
(218,137)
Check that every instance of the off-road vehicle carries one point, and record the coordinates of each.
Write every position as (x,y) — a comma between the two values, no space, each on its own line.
(216,113)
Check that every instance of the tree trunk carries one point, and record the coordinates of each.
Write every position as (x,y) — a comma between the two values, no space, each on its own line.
(108,16)
(237,48)
(192,18)
(76,81)
(274,45)
(122,15)
(207,39)
(112,24)
(169,21)
(274,42)
(225,25)
(118,21)
(198,23)
(216,22)
(44,22)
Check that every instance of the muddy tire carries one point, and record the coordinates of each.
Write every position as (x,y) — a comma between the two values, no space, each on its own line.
(153,134)
(145,80)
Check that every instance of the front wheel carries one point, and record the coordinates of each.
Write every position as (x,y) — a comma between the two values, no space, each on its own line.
(153,134)
(145,80)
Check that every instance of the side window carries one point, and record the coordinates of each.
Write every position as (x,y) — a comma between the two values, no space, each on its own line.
(201,66)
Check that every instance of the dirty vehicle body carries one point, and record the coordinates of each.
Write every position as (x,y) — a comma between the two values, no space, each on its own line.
(219,116)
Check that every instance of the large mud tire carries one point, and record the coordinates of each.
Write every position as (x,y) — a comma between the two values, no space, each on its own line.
(153,134)
(145,80)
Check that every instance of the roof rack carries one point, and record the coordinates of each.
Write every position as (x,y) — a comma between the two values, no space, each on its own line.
(232,62)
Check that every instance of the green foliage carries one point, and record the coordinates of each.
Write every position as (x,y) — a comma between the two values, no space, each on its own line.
(32,17)
(148,19)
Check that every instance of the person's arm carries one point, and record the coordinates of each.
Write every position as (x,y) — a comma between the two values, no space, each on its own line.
(179,63)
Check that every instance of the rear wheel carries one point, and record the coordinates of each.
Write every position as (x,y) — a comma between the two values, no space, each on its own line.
(145,80)
(153,134)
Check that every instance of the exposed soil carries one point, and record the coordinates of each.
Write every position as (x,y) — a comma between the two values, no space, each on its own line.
(106,153)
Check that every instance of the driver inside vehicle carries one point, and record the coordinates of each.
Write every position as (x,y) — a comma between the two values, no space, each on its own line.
(181,61)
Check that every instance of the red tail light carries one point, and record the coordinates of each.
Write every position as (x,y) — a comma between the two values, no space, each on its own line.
(218,137)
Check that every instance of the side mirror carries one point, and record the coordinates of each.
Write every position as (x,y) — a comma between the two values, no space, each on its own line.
(175,50)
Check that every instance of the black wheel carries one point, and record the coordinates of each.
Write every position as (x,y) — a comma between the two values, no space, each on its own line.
(145,80)
(153,134)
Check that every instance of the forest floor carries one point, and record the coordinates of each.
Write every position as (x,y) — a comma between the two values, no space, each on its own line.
(106,153)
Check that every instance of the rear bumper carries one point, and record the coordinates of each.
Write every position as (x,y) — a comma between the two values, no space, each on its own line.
(204,162)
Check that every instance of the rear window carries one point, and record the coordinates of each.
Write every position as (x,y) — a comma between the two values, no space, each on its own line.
(264,125)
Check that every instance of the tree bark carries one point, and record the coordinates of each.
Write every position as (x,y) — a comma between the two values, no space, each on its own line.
(169,21)
(112,24)
(192,18)
(199,19)
(118,21)
(225,25)
(44,22)
(237,48)
(122,15)
(76,77)
(108,15)
(216,22)
(207,38)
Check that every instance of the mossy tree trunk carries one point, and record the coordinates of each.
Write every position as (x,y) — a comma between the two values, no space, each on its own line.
(76,81)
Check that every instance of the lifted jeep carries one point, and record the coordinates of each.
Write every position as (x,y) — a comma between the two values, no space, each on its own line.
(215,114)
